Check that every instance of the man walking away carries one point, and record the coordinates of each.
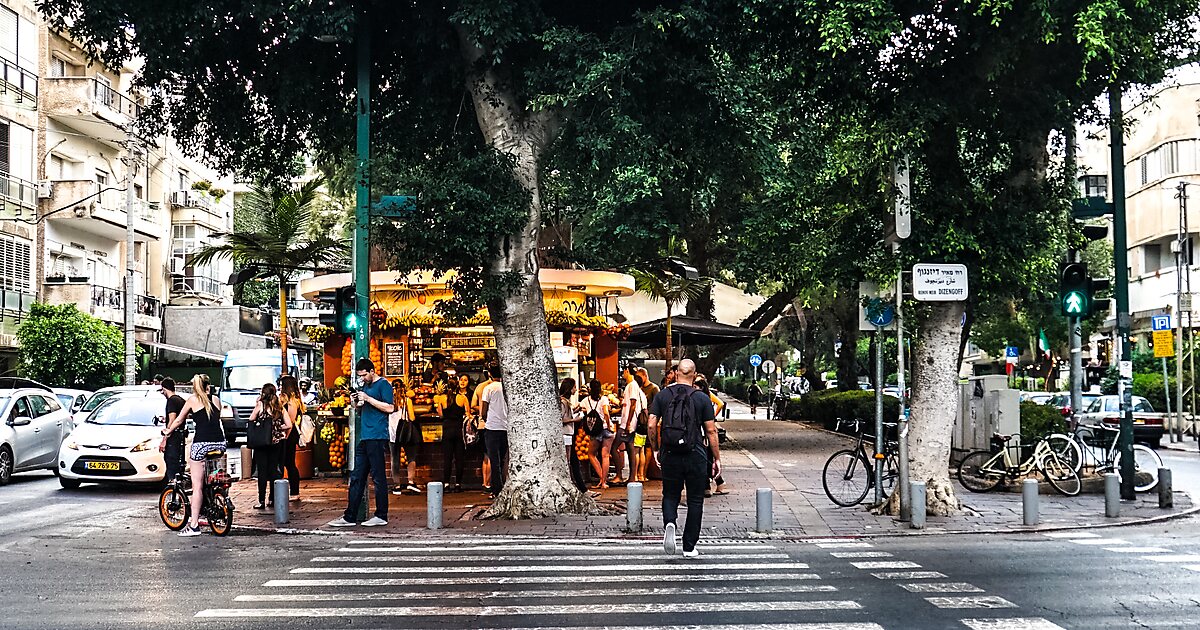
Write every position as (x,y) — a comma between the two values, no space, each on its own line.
(175,433)
(374,401)
(494,408)
(679,420)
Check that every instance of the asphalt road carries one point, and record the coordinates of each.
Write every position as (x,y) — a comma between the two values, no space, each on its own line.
(99,558)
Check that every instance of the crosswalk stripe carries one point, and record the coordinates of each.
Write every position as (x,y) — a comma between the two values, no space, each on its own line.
(1099,541)
(886,564)
(712,589)
(567,568)
(982,601)
(759,626)
(909,575)
(1011,623)
(861,554)
(557,609)
(1193,567)
(529,579)
(844,545)
(1138,550)
(484,541)
(1179,557)
(1071,534)
(597,557)
(615,549)
(941,587)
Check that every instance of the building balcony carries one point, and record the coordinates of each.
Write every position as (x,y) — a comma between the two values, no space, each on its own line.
(183,284)
(103,213)
(20,85)
(103,302)
(91,106)
(18,198)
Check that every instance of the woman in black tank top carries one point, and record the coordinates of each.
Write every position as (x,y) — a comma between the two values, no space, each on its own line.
(453,448)
(206,414)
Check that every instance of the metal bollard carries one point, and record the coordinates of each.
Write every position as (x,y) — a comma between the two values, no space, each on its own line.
(1112,495)
(1029,501)
(433,504)
(917,492)
(1164,489)
(765,518)
(633,511)
(280,488)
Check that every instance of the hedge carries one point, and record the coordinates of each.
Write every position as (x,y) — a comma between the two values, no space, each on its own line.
(827,406)
(1038,421)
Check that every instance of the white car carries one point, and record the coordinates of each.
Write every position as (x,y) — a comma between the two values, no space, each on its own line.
(72,399)
(118,442)
(32,426)
(120,391)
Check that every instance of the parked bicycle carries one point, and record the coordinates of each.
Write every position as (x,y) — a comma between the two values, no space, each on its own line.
(174,502)
(849,474)
(982,471)
(1088,445)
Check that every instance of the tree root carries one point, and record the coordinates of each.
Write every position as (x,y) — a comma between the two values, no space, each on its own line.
(540,498)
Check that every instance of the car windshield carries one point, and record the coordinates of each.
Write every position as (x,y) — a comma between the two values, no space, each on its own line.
(250,377)
(95,401)
(1141,405)
(67,400)
(136,412)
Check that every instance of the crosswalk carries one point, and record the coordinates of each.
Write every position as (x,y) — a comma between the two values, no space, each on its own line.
(1161,555)
(615,584)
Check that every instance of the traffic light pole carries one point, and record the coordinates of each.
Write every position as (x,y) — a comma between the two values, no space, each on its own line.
(1116,136)
(362,200)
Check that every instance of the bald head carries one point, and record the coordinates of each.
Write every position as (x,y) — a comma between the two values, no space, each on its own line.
(686,371)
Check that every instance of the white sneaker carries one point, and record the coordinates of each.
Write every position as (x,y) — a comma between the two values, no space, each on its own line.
(374,521)
(341,522)
(189,531)
(691,554)
(398,492)
(669,539)
(413,489)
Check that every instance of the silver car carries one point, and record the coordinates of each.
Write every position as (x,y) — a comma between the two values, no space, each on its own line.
(33,425)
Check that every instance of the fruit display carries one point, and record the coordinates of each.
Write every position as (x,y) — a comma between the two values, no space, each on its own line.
(348,356)
(337,437)
(583,444)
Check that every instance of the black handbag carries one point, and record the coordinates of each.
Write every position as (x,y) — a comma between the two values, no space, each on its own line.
(258,433)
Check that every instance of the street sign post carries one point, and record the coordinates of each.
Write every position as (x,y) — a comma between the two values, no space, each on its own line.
(1163,336)
(755,360)
(768,367)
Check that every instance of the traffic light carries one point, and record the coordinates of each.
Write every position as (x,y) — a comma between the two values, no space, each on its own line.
(1074,295)
(1098,304)
(345,311)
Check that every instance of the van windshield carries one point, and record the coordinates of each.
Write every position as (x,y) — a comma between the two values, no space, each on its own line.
(250,377)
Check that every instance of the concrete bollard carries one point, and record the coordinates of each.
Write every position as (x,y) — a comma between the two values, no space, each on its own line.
(1029,501)
(917,492)
(1112,495)
(433,504)
(633,513)
(280,488)
(764,521)
(1164,489)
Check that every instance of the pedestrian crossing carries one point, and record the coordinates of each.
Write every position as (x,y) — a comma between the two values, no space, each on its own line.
(611,584)
(1161,555)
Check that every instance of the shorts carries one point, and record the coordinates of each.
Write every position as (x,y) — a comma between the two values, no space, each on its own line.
(639,440)
(608,435)
(200,449)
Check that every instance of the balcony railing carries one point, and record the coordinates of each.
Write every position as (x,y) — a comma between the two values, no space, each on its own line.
(16,300)
(23,82)
(148,306)
(196,284)
(147,210)
(104,297)
(18,191)
(114,100)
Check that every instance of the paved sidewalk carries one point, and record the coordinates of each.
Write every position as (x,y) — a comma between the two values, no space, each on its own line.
(784,456)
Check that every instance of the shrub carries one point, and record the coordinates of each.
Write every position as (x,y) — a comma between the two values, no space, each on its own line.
(64,347)
(827,406)
(1038,421)
(1150,387)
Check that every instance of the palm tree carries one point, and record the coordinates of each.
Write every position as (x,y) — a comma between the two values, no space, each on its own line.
(279,247)
(671,289)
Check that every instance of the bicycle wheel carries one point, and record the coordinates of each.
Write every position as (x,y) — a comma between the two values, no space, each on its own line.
(1068,450)
(846,478)
(981,471)
(220,515)
(173,507)
(1061,476)
(1145,461)
(891,475)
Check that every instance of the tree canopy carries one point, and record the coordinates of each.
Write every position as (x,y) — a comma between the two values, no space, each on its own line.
(62,346)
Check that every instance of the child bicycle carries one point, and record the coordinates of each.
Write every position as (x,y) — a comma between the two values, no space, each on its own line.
(982,471)
(174,504)
(849,474)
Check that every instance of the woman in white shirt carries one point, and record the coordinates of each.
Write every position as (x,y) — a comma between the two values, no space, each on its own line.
(601,445)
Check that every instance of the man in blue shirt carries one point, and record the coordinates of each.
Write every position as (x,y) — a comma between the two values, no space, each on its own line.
(374,402)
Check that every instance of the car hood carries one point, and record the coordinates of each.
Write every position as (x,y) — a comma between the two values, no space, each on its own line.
(114,435)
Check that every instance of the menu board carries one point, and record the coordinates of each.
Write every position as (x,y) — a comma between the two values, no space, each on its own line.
(393,359)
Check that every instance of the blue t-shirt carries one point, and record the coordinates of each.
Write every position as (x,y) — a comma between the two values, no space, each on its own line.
(374,421)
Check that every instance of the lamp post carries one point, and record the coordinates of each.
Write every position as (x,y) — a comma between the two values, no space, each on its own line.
(362,199)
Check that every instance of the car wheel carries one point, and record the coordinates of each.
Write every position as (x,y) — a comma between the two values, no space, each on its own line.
(68,484)
(6,465)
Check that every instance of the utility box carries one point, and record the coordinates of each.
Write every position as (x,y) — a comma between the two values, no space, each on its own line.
(986,405)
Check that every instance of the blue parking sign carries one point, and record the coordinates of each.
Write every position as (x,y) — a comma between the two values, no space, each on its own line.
(1160,322)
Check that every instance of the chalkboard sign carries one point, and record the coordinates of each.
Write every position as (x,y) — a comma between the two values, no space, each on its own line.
(393,359)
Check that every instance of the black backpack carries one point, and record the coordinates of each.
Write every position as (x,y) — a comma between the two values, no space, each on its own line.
(680,427)
(593,423)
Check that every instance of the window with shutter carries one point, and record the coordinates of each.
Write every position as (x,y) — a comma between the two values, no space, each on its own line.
(8,34)
(15,263)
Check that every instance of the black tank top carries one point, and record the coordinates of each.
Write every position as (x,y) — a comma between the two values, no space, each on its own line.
(452,416)
(207,429)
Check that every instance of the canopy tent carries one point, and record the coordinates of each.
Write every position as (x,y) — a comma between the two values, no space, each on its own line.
(686,331)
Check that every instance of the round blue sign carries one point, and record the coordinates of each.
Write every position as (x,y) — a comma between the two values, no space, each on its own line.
(880,313)
(755,360)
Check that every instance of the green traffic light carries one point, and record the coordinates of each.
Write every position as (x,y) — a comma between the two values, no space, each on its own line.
(1075,303)
(350,321)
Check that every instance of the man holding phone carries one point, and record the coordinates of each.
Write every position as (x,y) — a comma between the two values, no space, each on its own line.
(687,467)
(374,402)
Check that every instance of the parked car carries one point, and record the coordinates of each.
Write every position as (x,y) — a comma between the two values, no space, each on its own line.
(119,391)
(1040,398)
(1148,425)
(1063,402)
(118,442)
(34,425)
(72,399)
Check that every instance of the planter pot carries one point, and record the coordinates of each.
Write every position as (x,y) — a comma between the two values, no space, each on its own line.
(80,279)
(55,279)
(304,462)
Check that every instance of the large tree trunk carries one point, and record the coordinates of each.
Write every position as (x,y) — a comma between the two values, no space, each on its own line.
(935,405)
(538,484)
(845,307)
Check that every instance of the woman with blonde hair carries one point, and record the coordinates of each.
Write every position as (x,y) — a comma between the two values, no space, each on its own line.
(209,437)
(267,458)
(292,400)
(601,452)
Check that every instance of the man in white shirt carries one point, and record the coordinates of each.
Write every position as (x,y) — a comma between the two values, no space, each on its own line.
(633,402)
(493,407)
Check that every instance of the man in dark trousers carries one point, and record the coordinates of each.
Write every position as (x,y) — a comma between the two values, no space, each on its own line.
(173,436)
(374,402)
(690,469)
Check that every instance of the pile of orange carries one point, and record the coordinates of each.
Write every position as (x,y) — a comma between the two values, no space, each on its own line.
(337,450)
(348,356)
(583,444)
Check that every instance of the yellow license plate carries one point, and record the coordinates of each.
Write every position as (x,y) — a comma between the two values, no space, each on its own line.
(102,466)
(1138,421)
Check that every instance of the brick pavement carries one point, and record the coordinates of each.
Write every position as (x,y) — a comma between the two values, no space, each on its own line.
(784,456)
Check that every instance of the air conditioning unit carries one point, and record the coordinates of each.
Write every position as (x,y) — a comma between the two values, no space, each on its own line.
(45,189)
(180,198)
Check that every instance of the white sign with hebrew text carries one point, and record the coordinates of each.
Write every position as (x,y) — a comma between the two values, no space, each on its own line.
(933,282)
